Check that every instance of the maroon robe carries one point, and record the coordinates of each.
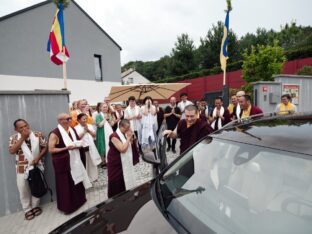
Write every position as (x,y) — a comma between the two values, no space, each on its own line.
(253,111)
(69,196)
(192,134)
(227,119)
(116,183)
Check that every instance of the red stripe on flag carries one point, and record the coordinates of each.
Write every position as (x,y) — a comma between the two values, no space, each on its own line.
(53,44)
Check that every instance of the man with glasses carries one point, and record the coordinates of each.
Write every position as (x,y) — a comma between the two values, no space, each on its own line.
(237,109)
(71,177)
(28,147)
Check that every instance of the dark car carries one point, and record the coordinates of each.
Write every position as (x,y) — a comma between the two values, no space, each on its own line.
(251,177)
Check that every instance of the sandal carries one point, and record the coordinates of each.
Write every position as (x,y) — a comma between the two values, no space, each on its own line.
(29,215)
(37,211)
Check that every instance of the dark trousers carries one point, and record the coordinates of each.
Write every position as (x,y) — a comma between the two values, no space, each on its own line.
(137,137)
(171,143)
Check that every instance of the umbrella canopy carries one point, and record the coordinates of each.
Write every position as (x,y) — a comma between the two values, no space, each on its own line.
(140,91)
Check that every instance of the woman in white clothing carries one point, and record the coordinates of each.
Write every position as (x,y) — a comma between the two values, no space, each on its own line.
(149,125)
(86,133)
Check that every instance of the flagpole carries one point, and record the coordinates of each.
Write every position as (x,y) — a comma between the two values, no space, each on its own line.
(64,70)
(224,77)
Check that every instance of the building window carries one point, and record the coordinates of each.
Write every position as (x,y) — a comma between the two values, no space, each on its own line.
(130,80)
(98,67)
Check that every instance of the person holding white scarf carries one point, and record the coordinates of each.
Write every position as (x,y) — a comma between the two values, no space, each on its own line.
(29,147)
(122,156)
(71,178)
(220,115)
(147,138)
(87,134)
(133,114)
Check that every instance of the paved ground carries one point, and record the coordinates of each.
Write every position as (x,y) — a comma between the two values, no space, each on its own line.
(52,218)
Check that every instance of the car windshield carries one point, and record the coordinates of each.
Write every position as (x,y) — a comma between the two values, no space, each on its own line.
(221,186)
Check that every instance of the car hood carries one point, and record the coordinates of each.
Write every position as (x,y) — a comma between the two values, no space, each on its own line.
(133,211)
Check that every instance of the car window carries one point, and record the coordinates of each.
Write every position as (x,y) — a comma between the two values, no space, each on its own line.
(230,187)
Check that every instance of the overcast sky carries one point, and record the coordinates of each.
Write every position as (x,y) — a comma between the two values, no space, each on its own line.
(147,29)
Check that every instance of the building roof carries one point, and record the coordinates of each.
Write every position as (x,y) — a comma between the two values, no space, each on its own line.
(50,1)
(292,76)
(266,82)
(127,72)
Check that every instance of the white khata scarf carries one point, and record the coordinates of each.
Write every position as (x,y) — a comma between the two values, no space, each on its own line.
(238,111)
(77,170)
(107,132)
(127,163)
(88,141)
(149,123)
(214,114)
(30,155)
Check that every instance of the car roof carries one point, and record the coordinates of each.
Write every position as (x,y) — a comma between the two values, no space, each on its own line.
(291,133)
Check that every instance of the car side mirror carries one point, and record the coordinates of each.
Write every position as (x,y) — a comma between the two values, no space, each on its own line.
(150,157)
(158,158)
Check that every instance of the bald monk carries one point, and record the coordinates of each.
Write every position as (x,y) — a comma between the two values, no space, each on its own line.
(71,178)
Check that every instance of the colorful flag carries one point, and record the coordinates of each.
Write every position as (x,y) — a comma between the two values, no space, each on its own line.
(224,53)
(56,43)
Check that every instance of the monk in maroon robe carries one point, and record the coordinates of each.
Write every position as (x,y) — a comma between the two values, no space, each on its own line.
(189,130)
(247,109)
(70,197)
(116,182)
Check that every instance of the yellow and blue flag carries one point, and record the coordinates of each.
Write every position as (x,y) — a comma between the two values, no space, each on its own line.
(224,53)
(56,43)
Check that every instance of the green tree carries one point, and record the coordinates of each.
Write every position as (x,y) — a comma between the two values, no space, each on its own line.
(291,35)
(262,62)
(182,55)
(208,52)
(262,37)
(64,2)
(162,67)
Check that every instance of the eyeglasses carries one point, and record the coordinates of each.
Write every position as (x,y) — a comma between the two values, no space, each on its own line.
(67,119)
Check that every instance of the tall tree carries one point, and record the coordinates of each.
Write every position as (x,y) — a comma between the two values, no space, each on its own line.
(262,37)
(182,55)
(209,50)
(292,35)
(262,62)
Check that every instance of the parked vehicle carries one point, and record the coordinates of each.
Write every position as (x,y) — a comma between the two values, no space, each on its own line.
(253,176)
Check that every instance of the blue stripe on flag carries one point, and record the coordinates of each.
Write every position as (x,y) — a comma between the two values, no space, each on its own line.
(226,31)
(60,18)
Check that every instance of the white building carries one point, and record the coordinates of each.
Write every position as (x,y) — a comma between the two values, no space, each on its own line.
(131,76)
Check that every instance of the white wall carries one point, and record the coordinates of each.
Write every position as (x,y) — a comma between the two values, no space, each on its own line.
(137,78)
(91,90)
